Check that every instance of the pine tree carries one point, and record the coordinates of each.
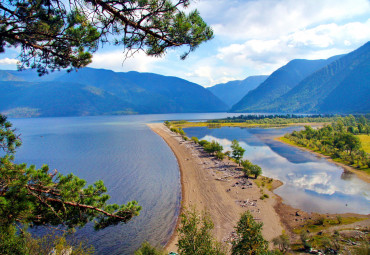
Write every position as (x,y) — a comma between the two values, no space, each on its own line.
(54,34)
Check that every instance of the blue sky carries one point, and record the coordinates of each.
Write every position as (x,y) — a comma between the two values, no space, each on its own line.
(252,37)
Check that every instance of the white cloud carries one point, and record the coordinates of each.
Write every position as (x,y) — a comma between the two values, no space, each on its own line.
(322,41)
(271,18)
(255,37)
(8,61)
(115,60)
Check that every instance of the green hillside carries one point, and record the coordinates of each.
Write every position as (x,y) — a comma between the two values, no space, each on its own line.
(341,87)
(278,83)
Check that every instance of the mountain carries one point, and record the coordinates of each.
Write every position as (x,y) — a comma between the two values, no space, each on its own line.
(278,83)
(97,91)
(340,87)
(8,76)
(231,92)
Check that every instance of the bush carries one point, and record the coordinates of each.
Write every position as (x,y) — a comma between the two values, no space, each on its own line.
(195,235)
(147,249)
(220,155)
(195,139)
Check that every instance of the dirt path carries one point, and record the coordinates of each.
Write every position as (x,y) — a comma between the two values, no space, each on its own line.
(210,185)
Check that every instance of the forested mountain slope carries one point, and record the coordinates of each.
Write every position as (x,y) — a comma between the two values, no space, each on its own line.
(96,91)
(278,83)
(341,87)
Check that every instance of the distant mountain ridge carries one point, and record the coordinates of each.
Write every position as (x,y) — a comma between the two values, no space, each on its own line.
(97,91)
(340,86)
(278,83)
(231,92)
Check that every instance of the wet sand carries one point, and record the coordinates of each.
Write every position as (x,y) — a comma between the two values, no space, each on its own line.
(220,189)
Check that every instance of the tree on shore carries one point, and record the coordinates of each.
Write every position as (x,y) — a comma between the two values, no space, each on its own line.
(246,164)
(237,151)
(249,238)
(57,34)
(213,147)
(256,170)
(38,197)
(195,235)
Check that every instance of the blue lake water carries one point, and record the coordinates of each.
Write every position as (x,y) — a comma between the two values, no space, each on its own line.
(136,164)
(133,162)
(310,183)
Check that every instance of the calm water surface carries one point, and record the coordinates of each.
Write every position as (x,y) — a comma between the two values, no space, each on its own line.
(310,183)
(133,162)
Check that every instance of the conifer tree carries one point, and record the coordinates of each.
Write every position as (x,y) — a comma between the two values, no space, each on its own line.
(55,34)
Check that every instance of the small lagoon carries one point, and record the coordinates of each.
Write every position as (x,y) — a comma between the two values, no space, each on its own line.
(310,183)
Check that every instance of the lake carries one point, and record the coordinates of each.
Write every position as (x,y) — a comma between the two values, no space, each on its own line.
(136,164)
(310,183)
(133,162)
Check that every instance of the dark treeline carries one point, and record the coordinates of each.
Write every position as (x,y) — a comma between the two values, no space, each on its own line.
(337,140)
(280,118)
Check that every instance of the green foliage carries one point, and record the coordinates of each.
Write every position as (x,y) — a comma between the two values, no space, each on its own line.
(195,235)
(219,155)
(246,164)
(249,168)
(31,196)
(364,249)
(195,139)
(264,196)
(277,119)
(24,243)
(9,141)
(237,151)
(249,238)
(256,170)
(213,147)
(336,141)
(305,240)
(147,249)
(203,142)
(57,34)
(283,242)
(11,243)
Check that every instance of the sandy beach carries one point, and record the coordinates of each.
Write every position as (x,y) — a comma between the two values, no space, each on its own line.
(216,187)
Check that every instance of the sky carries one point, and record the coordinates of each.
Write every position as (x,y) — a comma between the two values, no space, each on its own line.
(251,37)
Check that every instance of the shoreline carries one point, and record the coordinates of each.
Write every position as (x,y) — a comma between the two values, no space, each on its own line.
(211,185)
(360,174)
(206,183)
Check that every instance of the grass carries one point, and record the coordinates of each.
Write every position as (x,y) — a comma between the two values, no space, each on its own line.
(365,142)
(325,223)
(264,182)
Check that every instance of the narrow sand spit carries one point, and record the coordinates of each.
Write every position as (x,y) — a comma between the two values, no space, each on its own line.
(215,187)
